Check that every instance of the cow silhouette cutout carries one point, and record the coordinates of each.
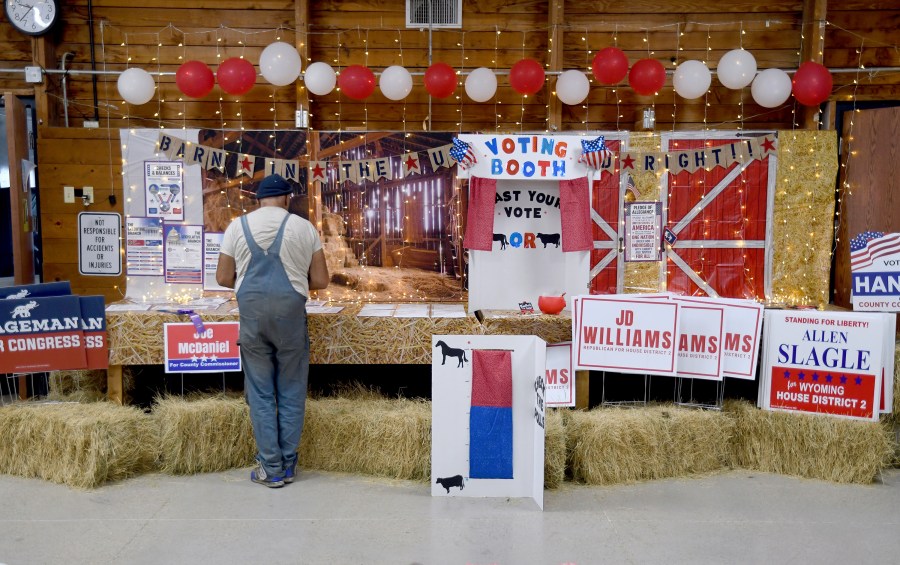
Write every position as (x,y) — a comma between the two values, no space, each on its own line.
(548,238)
(502,239)
(448,351)
(454,481)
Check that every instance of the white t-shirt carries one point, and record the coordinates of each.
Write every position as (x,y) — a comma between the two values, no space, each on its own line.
(298,244)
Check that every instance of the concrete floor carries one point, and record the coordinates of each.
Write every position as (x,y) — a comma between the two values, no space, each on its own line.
(329,518)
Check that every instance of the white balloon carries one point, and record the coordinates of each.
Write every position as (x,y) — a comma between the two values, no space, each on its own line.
(136,86)
(771,88)
(320,78)
(395,83)
(280,63)
(481,84)
(736,69)
(572,87)
(691,79)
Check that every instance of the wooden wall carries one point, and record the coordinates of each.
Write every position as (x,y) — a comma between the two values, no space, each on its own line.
(77,157)
(158,35)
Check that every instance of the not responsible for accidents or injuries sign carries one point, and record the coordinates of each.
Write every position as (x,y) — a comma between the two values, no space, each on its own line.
(99,243)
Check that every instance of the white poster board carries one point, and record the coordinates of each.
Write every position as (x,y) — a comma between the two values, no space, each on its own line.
(451,381)
(212,245)
(526,260)
(560,377)
(626,335)
(99,243)
(823,363)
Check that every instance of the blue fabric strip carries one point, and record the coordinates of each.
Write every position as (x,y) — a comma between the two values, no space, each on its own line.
(490,443)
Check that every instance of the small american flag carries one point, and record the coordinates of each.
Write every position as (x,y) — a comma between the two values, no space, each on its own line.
(462,153)
(869,246)
(631,187)
(594,152)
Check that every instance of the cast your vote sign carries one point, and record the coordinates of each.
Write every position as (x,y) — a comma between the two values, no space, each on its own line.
(213,351)
(824,362)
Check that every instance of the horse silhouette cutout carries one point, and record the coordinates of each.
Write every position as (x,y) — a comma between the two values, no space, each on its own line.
(448,351)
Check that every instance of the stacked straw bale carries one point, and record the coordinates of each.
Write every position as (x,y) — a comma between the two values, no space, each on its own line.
(203,434)
(809,445)
(554,448)
(77,386)
(621,445)
(372,435)
(79,445)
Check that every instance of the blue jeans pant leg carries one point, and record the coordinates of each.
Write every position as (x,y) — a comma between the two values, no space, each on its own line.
(292,381)
(258,360)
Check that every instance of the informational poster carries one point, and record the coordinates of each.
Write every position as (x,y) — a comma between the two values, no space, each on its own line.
(643,231)
(520,402)
(164,190)
(99,243)
(144,249)
(823,363)
(214,351)
(875,268)
(212,243)
(700,341)
(560,377)
(183,257)
(626,335)
(742,334)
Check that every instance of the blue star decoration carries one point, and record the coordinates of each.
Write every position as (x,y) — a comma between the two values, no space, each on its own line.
(591,145)
(815,376)
(859,380)
(828,378)
(801,375)
(843,379)
(787,374)
(462,153)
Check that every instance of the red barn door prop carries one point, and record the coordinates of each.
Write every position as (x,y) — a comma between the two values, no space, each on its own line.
(720,218)
(607,199)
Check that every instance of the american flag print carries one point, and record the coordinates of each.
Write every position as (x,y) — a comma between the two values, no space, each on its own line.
(868,246)
(463,153)
(631,187)
(594,152)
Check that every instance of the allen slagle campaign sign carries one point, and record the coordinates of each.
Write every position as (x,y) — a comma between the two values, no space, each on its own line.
(824,362)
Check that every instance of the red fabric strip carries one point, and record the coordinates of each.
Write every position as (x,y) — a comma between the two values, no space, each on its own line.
(492,378)
(480,217)
(575,214)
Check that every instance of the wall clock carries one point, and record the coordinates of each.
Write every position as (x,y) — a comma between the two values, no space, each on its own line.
(33,17)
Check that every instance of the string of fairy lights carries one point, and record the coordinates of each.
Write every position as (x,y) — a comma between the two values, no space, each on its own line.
(233,112)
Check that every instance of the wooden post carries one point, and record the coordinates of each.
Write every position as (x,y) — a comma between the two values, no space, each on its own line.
(557,17)
(114,383)
(582,390)
(19,198)
(811,49)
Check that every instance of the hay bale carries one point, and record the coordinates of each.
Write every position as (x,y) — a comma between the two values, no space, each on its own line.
(203,434)
(77,385)
(621,445)
(808,445)
(79,445)
(369,435)
(554,449)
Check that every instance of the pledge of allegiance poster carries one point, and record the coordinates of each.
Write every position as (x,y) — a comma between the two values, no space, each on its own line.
(823,362)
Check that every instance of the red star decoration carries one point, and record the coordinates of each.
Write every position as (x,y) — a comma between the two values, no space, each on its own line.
(411,164)
(628,162)
(245,164)
(318,171)
(768,145)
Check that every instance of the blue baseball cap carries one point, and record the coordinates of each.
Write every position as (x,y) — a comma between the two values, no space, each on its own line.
(273,185)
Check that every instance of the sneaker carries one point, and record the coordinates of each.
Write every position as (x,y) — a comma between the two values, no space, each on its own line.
(260,476)
(289,474)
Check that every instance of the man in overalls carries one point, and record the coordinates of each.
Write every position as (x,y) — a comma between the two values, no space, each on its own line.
(273,259)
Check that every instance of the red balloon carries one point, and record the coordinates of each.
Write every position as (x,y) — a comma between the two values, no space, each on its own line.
(357,82)
(610,65)
(440,80)
(812,84)
(195,79)
(526,76)
(236,75)
(647,76)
